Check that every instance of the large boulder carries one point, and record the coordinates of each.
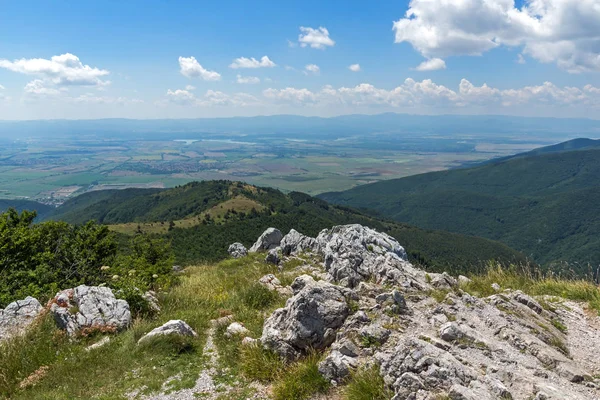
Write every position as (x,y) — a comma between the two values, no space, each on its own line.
(17,316)
(90,308)
(295,243)
(173,327)
(270,239)
(354,253)
(309,319)
(237,250)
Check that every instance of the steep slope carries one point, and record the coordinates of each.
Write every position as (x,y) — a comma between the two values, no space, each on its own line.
(201,219)
(20,205)
(545,204)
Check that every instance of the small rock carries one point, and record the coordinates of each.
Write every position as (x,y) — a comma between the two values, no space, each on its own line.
(105,340)
(152,301)
(17,316)
(237,250)
(270,239)
(273,256)
(248,341)
(221,321)
(496,287)
(236,329)
(173,327)
(463,280)
(177,268)
(295,243)
(337,366)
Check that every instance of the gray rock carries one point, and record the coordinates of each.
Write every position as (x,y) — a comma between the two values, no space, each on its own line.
(271,282)
(173,327)
(273,256)
(236,329)
(354,253)
(295,243)
(309,320)
(269,239)
(90,307)
(463,280)
(337,366)
(17,316)
(528,301)
(177,269)
(451,331)
(374,334)
(237,250)
(443,281)
(496,287)
(152,301)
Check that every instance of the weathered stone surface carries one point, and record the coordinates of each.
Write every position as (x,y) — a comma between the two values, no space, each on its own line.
(528,301)
(273,256)
(152,301)
(237,250)
(271,282)
(173,327)
(463,280)
(354,253)
(236,329)
(295,243)
(269,239)
(308,321)
(17,316)
(90,307)
(337,366)
(443,281)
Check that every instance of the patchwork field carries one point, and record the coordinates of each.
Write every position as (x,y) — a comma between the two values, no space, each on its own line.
(53,169)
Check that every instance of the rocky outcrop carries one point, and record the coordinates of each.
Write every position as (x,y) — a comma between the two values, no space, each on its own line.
(295,243)
(90,308)
(173,327)
(270,239)
(17,316)
(374,307)
(309,320)
(237,250)
(273,256)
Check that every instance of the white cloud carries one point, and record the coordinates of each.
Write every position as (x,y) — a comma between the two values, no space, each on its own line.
(63,70)
(210,98)
(521,59)
(190,68)
(2,87)
(431,65)
(181,97)
(315,38)
(426,93)
(190,87)
(244,62)
(564,32)
(312,68)
(290,95)
(354,67)
(247,79)
(38,87)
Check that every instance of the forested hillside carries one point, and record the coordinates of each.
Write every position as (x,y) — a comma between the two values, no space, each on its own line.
(545,204)
(201,219)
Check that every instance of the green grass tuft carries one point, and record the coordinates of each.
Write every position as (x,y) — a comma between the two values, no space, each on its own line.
(367,384)
(300,380)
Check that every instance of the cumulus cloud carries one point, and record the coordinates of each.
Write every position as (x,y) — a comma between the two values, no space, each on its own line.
(38,87)
(247,79)
(564,32)
(190,87)
(210,98)
(244,62)
(63,70)
(431,65)
(315,38)
(430,94)
(312,68)
(354,67)
(191,68)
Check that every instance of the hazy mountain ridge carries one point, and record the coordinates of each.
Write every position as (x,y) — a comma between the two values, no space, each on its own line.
(544,203)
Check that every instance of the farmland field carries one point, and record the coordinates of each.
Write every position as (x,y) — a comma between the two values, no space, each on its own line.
(52,168)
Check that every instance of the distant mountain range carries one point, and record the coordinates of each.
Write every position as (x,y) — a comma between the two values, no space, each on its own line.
(341,126)
(201,219)
(545,203)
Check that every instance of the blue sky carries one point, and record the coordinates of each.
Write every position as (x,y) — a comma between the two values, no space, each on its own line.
(126,59)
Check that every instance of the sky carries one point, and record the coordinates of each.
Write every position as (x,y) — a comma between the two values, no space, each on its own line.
(196,59)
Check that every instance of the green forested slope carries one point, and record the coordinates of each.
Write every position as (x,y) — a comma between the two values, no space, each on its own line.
(208,239)
(545,205)
(20,205)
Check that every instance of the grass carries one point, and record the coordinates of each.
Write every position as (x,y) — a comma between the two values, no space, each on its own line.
(367,384)
(300,380)
(534,283)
